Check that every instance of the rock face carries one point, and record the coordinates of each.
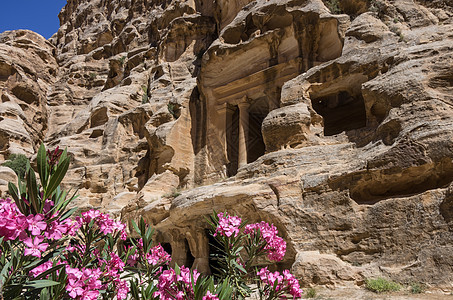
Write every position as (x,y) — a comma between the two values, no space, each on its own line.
(335,127)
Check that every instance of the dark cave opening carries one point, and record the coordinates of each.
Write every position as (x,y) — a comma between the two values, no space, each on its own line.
(214,252)
(341,112)
(232,140)
(255,144)
(167,248)
(189,257)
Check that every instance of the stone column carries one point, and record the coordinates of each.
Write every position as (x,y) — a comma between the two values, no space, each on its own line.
(199,246)
(225,113)
(243,132)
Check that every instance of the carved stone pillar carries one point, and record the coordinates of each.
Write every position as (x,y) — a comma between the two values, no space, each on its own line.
(243,132)
(225,112)
(199,246)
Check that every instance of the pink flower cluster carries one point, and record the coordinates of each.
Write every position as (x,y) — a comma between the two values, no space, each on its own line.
(35,231)
(158,256)
(228,225)
(105,224)
(285,282)
(12,222)
(83,283)
(210,296)
(172,286)
(14,225)
(275,245)
(41,268)
(110,270)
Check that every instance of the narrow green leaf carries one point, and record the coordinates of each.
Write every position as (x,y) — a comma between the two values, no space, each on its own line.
(41,160)
(32,190)
(134,290)
(49,271)
(39,284)
(57,177)
(12,189)
(68,213)
(177,269)
(63,156)
(239,266)
(44,295)
(21,186)
(135,226)
(62,207)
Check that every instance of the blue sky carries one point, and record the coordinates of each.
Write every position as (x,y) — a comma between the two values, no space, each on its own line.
(41,16)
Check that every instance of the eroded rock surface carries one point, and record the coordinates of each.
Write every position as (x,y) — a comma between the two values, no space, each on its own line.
(335,127)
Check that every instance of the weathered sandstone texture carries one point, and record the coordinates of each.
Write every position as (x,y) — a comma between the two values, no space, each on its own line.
(335,127)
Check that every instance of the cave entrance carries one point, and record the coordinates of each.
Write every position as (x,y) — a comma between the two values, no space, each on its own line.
(167,248)
(249,118)
(214,252)
(189,257)
(341,112)
(255,143)
(232,139)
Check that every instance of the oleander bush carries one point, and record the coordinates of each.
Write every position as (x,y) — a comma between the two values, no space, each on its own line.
(48,251)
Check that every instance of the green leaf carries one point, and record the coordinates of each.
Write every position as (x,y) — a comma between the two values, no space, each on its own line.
(39,284)
(134,290)
(41,160)
(49,271)
(13,292)
(12,189)
(32,190)
(62,206)
(135,226)
(177,269)
(44,295)
(57,177)
(4,272)
(21,186)
(63,156)
(68,213)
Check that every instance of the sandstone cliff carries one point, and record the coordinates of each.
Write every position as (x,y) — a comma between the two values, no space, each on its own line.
(333,125)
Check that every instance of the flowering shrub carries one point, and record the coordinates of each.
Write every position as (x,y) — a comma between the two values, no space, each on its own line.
(273,285)
(241,245)
(48,253)
(265,234)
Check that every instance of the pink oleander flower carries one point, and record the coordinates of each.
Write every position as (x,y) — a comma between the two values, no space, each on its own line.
(228,225)
(72,225)
(210,296)
(275,245)
(56,230)
(12,222)
(83,283)
(48,204)
(74,287)
(41,268)
(89,295)
(122,289)
(286,283)
(35,224)
(132,259)
(35,247)
(105,224)
(158,256)
(171,286)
